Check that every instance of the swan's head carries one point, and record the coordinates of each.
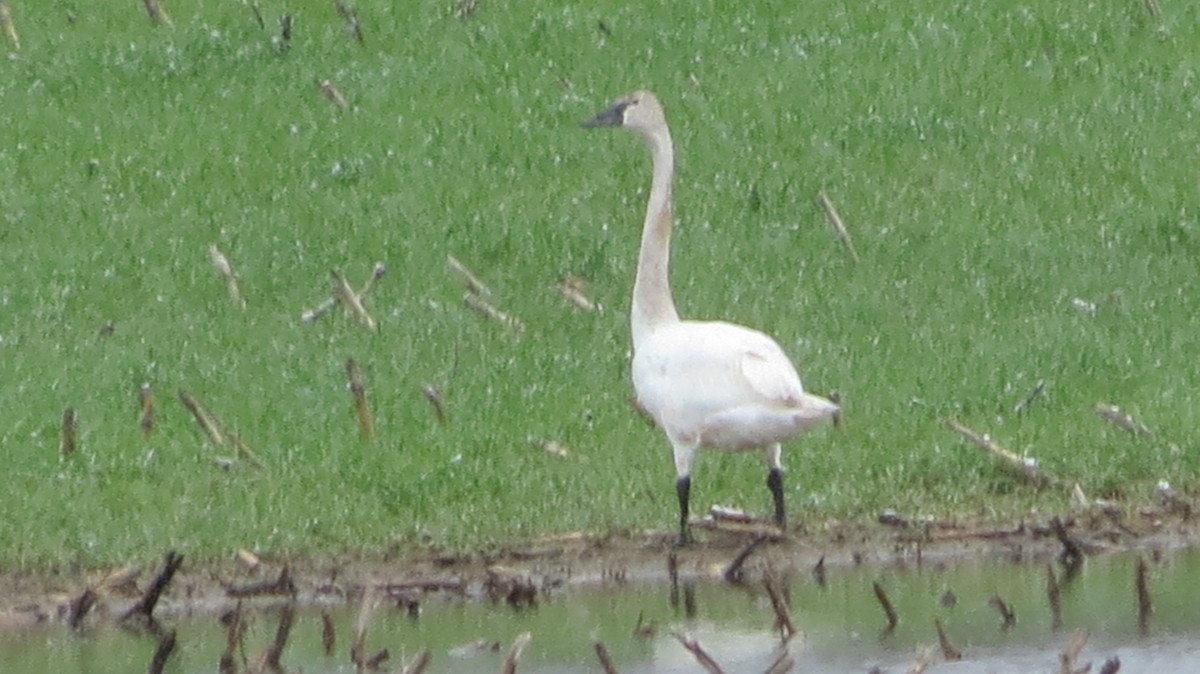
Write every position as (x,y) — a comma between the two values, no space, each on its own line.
(639,111)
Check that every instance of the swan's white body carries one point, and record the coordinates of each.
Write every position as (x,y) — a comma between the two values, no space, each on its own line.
(706,384)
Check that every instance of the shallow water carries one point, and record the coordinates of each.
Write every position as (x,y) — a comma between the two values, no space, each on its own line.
(841,626)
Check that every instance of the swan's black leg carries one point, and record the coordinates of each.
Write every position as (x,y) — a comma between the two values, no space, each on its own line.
(775,484)
(683,487)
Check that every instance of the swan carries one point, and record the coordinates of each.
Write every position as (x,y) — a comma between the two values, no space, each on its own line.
(706,384)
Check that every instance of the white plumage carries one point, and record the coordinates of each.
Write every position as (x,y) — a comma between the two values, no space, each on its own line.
(706,384)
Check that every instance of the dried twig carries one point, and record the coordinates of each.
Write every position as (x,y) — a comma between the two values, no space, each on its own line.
(70,423)
(333,94)
(351,301)
(1153,8)
(514,654)
(949,652)
(226,270)
(358,392)
(1036,393)
(606,662)
(469,279)
(10,28)
(146,416)
(481,306)
(350,16)
(571,287)
(694,648)
(886,603)
(328,305)
(1025,466)
(1145,608)
(202,416)
(158,15)
(838,226)
(1114,415)
(434,396)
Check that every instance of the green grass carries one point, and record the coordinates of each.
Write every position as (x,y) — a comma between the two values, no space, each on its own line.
(993,164)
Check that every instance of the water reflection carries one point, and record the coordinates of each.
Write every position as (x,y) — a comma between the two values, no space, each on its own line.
(840,625)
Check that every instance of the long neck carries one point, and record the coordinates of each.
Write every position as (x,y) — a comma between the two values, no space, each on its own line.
(652,303)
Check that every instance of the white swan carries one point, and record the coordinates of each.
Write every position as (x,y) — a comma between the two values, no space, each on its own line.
(706,384)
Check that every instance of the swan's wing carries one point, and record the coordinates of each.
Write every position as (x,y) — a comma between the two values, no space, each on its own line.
(771,375)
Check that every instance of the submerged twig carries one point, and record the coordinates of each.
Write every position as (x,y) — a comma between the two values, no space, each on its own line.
(287,616)
(783,663)
(226,270)
(701,656)
(328,634)
(235,628)
(1024,466)
(1070,652)
(1145,608)
(1054,597)
(783,617)
(514,654)
(370,602)
(1007,615)
(145,606)
(839,227)
(606,662)
(949,652)
(166,646)
(733,573)
(888,609)
(419,663)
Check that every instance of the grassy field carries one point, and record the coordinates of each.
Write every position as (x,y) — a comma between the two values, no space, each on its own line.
(1018,181)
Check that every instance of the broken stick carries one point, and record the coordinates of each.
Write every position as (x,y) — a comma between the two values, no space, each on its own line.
(1025,466)
(702,657)
(351,301)
(145,606)
(1114,415)
(325,307)
(226,270)
(888,610)
(839,227)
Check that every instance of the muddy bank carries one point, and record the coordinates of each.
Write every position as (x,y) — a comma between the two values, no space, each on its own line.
(526,571)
